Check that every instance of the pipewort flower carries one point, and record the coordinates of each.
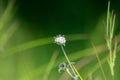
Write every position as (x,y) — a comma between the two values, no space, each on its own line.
(60,40)
(62,66)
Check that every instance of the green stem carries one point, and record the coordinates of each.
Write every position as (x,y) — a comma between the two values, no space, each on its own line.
(68,59)
(78,73)
(67,70)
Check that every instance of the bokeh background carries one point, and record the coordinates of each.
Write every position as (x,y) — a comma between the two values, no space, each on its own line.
(26,53)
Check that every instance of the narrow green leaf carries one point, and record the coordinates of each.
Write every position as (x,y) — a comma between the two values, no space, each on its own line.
(50,66)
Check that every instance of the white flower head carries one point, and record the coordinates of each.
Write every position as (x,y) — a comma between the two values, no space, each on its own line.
(60,40)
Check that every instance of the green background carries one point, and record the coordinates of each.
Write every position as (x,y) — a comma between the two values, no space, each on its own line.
(81,21)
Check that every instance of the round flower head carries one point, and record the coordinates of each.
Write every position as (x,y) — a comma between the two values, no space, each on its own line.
(62,66)
(60,40)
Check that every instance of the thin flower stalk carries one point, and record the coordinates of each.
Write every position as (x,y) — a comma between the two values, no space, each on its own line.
(68,60)
(60,40)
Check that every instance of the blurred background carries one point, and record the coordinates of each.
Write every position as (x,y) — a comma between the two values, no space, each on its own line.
(28,28)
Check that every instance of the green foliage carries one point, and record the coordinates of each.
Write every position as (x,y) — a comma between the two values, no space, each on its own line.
(35,60)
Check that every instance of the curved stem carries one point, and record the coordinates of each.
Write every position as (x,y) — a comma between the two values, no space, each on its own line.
(67,70)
